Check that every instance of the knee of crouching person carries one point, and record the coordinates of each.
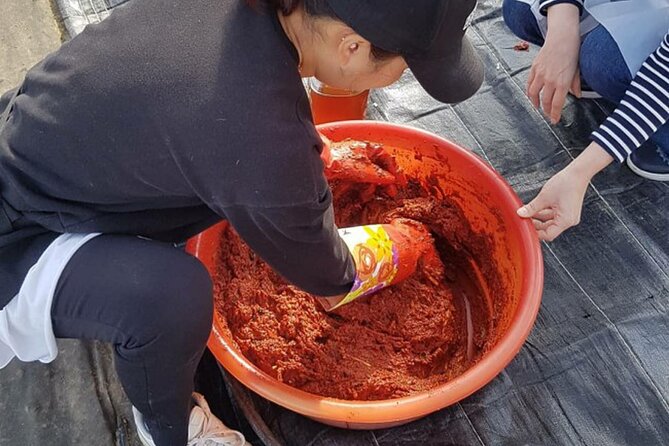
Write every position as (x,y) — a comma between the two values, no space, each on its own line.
(183,301)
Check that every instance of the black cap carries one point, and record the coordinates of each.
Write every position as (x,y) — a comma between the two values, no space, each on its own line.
(429,34)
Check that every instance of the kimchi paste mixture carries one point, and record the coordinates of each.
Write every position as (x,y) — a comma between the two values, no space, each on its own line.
(410,337)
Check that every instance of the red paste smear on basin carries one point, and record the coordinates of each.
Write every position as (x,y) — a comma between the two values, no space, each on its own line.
(408,338)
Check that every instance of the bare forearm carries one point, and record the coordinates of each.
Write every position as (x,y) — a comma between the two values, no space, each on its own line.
(563,19)
(591,161)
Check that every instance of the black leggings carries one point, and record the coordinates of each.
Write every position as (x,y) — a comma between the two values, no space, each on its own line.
(154,303)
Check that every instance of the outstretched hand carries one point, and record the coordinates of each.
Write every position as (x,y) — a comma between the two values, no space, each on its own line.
(558,205)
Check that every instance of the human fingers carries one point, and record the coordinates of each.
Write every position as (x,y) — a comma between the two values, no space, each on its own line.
(537,205)
(559,97)
(542,225)
(576,84)
(534,90)
(544,214)
(326,153)
(551,232)
(547,98)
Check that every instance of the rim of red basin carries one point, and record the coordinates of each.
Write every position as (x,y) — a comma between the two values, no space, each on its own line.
(422,403)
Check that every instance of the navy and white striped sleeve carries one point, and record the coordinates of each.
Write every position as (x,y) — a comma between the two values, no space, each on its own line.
(545,4)
(643,109)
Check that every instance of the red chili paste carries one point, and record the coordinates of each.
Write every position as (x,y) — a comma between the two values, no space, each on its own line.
(410,337)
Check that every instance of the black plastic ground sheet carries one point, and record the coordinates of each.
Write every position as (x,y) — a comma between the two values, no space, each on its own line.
(594,371)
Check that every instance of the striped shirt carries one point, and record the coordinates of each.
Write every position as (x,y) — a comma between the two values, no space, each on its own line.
(643,109)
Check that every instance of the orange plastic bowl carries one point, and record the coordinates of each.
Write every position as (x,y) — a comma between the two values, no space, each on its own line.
(490,205)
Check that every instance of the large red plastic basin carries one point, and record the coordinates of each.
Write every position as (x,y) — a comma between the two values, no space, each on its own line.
(490,205)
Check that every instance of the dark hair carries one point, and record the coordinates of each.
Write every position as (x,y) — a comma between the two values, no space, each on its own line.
(320,8)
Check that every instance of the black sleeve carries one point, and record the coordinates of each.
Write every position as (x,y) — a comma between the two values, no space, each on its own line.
(300,242)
